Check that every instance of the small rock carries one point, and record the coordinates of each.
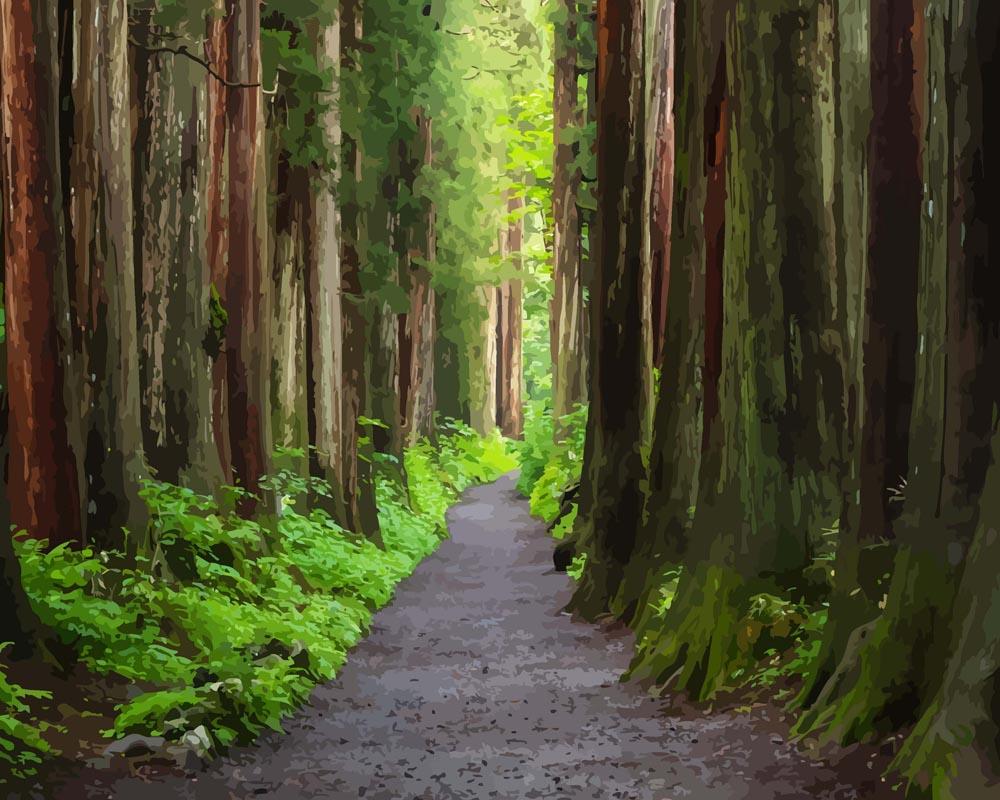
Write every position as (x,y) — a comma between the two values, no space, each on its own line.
(198,740)
(134,746)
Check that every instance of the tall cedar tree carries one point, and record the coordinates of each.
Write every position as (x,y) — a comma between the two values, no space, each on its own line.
(42,488)
(361,514)
(610,493)
(247,300)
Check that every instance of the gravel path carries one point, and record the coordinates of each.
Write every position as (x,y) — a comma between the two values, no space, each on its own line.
(473,684)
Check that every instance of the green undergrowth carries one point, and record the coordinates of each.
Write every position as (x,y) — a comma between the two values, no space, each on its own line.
(548,465)
(228,623)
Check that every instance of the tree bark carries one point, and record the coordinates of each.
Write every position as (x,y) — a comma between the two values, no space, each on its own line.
(610,494)
(895,189)
(325,315)
(18,625)
(359,489)
(216,200)
(104,273)
(566,311)
(897,671)
(771,470)
(510,405)
(290,244)
(661,142)
(481,356)
(676,449)
(418,326)
(177,337)
(247,293)
(43,489)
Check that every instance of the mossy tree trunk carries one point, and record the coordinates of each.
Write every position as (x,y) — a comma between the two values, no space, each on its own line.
(851,97)
(359,489)
(671,477)
(770,471)
(896,669)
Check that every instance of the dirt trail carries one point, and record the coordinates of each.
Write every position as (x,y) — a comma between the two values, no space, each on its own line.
(473,684)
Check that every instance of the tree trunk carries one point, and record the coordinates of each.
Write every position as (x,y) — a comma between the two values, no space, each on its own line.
(510,405)
(895,188)
(481,356)
(177,337)
(43,489)
(18,625)
(325,316)
(610,494)
(896,672)
(418,326)
(566,311)
(851,97)
(661,148)
(289,256)
(216,201)
(676,450)
(247,294)
(359,489)
(772,468)
(104,273)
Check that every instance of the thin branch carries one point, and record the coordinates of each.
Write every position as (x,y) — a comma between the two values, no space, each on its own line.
(183,51)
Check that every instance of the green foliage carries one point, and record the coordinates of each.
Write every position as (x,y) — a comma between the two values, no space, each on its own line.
(548,465)
(231,622)
(794,635)
(575,569)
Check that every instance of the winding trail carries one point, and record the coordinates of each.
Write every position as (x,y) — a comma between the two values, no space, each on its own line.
(473,684)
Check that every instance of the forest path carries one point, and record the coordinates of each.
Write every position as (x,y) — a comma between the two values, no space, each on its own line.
(473,684)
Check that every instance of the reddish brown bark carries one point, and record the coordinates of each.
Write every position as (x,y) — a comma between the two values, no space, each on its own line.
(662,194)
(42,478)
(895,191)
(247,348)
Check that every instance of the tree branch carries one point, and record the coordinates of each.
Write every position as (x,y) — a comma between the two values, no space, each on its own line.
(182,50)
